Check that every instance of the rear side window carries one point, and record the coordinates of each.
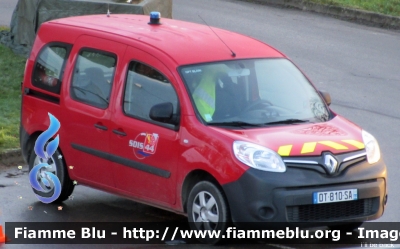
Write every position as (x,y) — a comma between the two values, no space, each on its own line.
(93,77)
(49,67)
(146,87)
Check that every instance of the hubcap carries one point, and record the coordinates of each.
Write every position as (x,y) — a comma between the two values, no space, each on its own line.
(203,214)
(205,211)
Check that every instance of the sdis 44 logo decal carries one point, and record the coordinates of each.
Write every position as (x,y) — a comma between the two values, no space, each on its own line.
(144,145)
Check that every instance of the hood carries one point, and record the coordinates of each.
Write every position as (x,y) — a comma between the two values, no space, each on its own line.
(337,136)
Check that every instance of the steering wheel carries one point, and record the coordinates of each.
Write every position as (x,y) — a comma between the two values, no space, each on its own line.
(257,103)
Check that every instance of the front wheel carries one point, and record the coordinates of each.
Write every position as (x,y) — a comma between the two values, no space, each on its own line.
(207,210)
(57,167)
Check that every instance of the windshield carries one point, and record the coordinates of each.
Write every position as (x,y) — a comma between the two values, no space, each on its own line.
(254,92)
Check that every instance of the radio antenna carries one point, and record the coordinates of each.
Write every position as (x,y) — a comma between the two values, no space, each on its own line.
(233,53)
(108,10)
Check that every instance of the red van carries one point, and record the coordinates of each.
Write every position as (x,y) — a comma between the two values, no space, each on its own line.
(197,120)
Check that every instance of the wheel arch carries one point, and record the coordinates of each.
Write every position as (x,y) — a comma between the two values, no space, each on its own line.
(191,179)
(31,143)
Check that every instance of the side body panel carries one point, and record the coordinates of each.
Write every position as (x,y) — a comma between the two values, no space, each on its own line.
(87,128)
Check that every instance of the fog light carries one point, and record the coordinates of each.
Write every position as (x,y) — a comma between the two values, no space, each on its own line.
(266,212)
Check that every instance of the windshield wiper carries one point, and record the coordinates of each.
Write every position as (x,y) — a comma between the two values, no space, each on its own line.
(288,121)
(235,124)
(241,123)
(83,90)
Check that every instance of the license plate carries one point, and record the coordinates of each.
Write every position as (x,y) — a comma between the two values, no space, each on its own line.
(335,196)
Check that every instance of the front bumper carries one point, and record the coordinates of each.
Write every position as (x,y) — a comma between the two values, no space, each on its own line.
(260,196)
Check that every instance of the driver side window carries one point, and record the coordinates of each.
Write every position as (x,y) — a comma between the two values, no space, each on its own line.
(145,87)
(93,77)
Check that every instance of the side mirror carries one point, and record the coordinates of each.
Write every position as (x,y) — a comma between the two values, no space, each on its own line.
(326,96)
(164,113)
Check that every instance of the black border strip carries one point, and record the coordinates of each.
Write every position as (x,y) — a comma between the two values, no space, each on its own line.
(124,161)
(41,95)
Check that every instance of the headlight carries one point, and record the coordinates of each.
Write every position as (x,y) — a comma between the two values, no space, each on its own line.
(258,157)
(372,147)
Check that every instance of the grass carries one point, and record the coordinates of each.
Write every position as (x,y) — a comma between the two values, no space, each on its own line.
(11,74)
(387,7)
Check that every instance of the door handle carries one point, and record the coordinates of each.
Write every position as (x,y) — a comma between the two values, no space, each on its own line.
(101,127)
(119,133)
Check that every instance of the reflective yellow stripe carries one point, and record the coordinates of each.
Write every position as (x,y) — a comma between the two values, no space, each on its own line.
(285,150)
(334,145)
(308,147)
(355,143)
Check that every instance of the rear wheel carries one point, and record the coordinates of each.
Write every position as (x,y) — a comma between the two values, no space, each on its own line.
(207,210)
(57,167)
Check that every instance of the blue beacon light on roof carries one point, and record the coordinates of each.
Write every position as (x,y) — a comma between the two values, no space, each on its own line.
(155,17)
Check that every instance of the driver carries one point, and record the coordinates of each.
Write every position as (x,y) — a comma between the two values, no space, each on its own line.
(204,94)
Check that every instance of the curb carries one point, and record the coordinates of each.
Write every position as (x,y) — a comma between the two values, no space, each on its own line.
(12,157)
(348,14)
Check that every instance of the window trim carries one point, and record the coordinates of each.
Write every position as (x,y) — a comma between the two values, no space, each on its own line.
(89,49)
(68,48)
(165,125)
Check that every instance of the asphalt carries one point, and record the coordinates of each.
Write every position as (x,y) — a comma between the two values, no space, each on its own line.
(354,15)
(13,157)
(349,14)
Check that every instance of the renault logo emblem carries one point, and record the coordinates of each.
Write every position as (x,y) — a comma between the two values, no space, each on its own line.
(330,163)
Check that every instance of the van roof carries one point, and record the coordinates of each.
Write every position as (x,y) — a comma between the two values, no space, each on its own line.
(184,42)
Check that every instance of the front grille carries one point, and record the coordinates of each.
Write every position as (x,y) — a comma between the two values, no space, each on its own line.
(332,211)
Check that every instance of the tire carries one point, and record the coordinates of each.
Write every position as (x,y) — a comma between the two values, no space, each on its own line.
(207,210)
(59,169)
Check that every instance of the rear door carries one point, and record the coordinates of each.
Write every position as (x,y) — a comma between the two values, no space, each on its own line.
(145,151)
(86,108)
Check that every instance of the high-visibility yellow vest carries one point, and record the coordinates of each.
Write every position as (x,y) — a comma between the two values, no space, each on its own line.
(204,97)
(204,94)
